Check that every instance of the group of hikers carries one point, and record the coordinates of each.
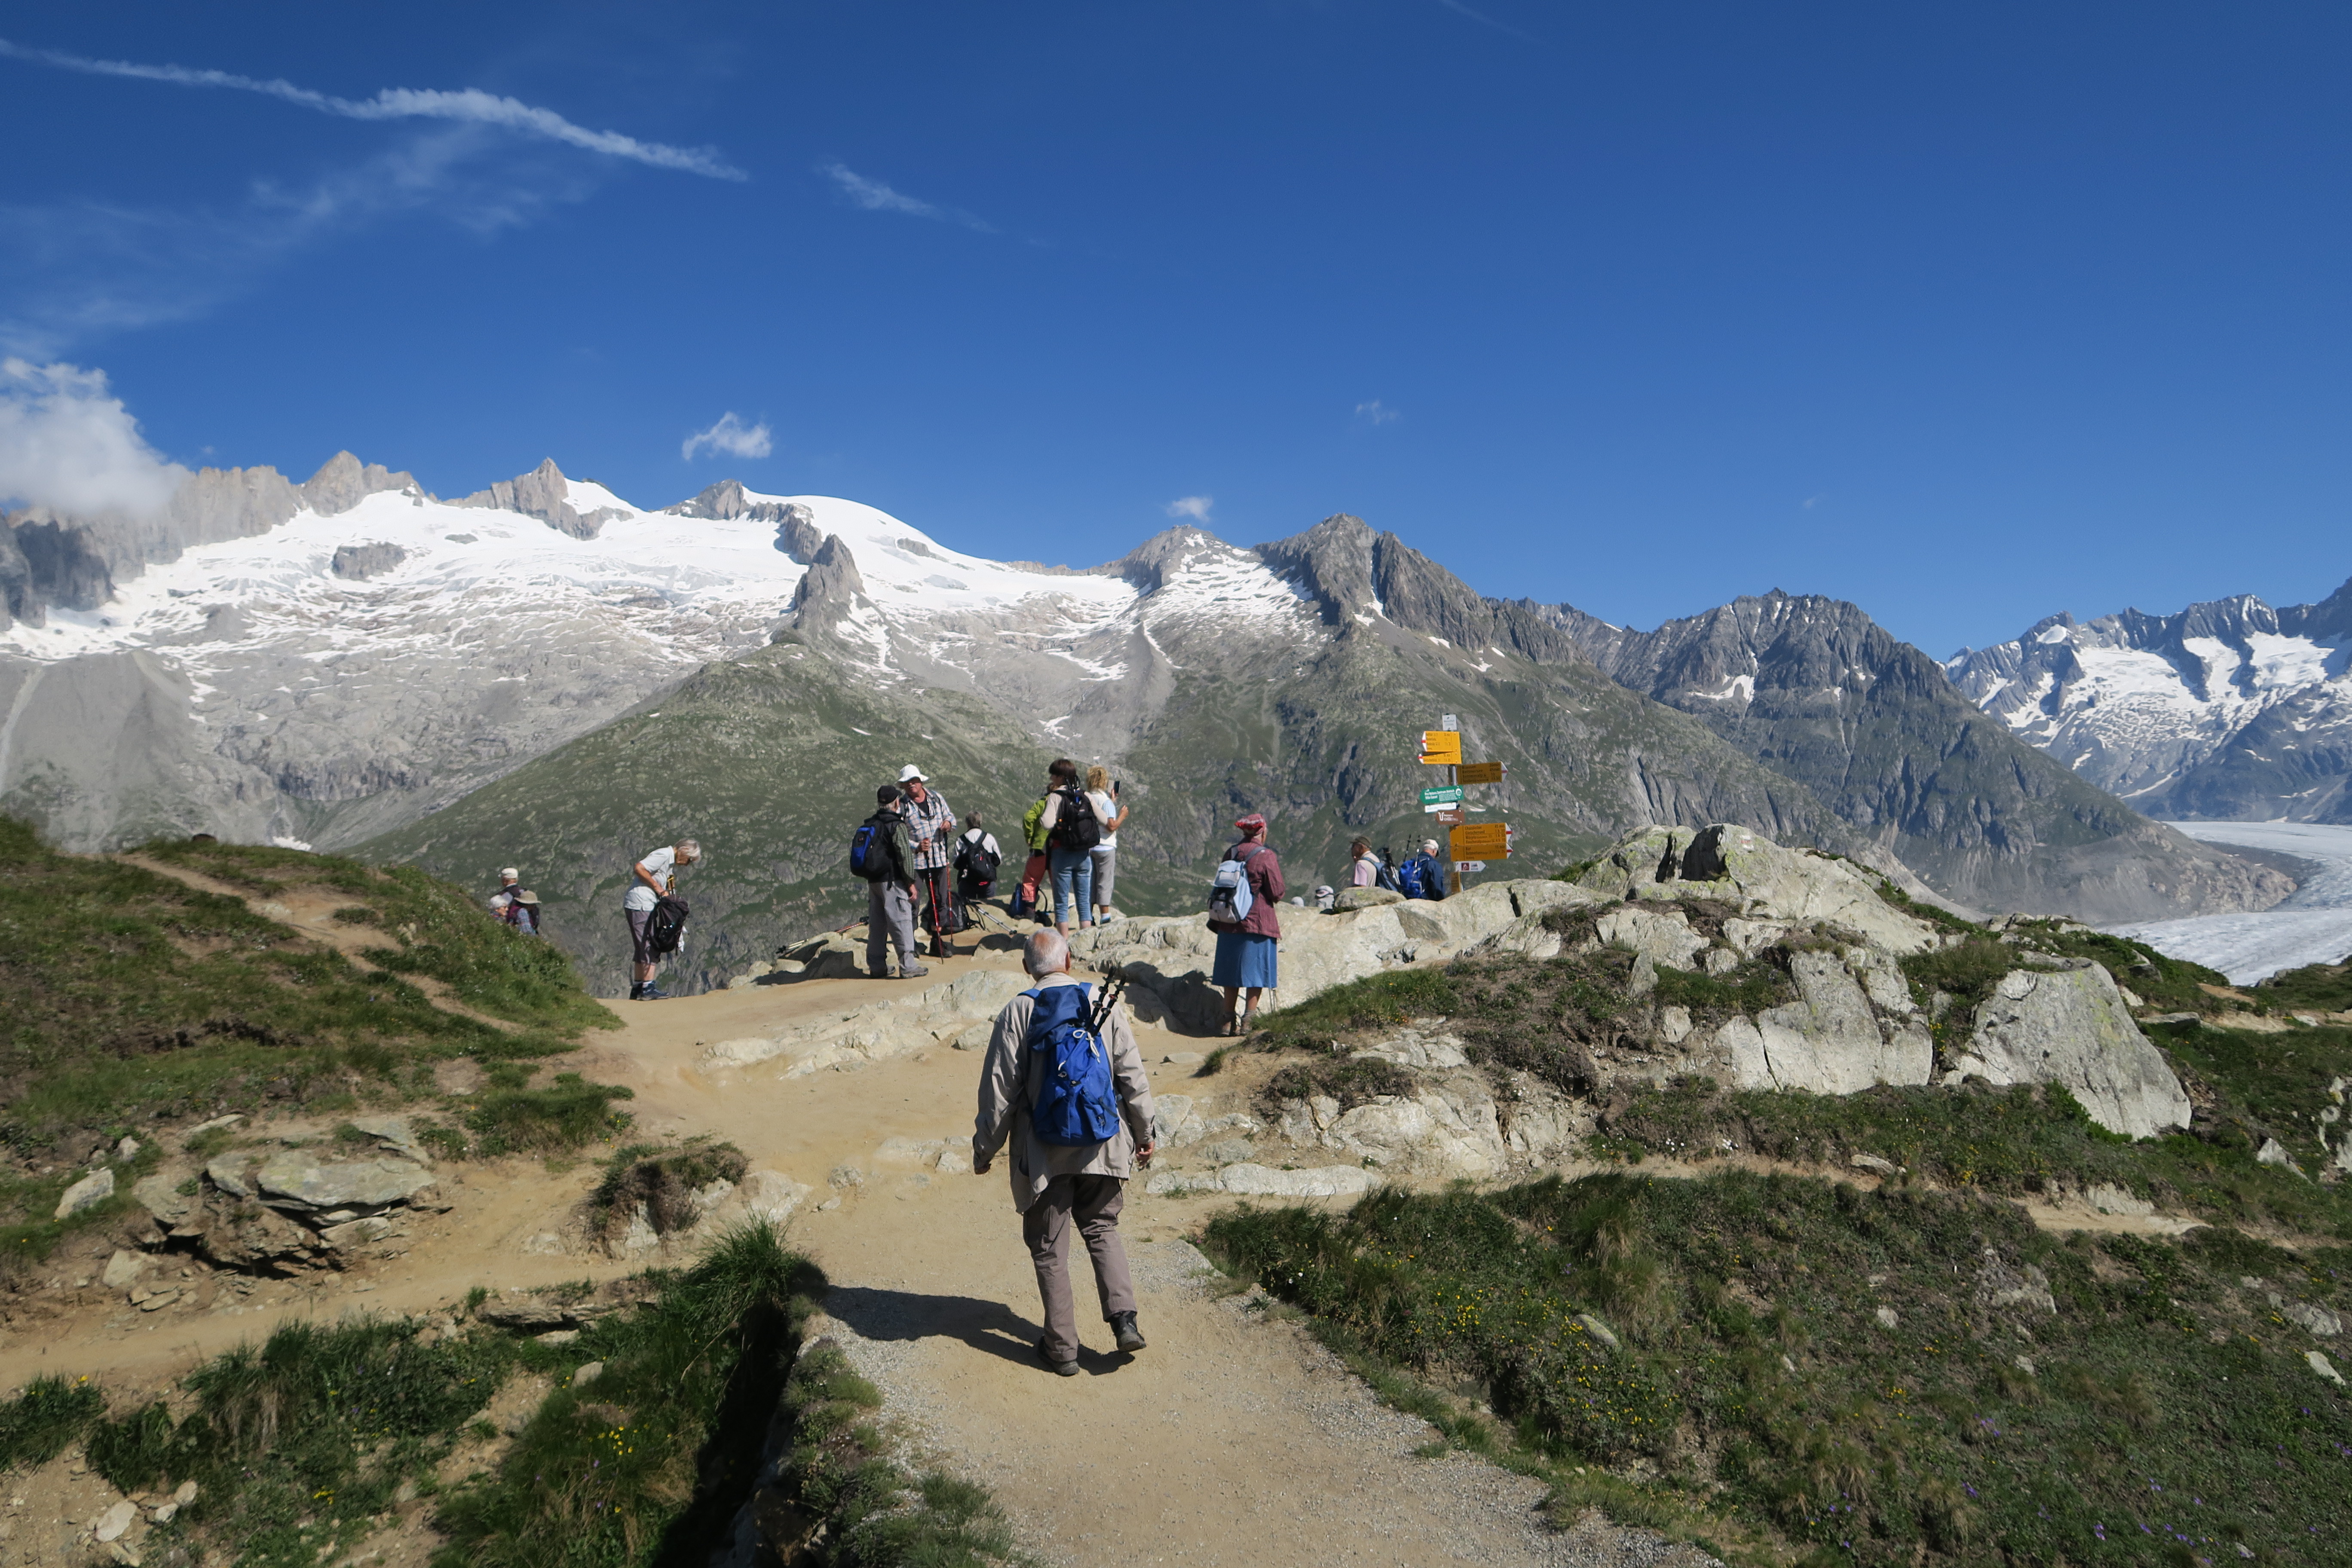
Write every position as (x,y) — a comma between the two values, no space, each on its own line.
(1063,1087)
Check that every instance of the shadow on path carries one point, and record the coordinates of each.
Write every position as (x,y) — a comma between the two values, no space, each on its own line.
(990,1327)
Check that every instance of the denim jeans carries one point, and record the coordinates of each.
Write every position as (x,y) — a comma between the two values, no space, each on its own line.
(1071,867)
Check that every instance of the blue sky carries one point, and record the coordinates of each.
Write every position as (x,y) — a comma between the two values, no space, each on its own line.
(1966,313)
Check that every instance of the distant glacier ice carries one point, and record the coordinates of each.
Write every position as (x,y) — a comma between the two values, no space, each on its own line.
(2313,926)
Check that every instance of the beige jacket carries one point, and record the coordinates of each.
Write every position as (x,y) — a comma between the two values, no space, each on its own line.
(1010,1082)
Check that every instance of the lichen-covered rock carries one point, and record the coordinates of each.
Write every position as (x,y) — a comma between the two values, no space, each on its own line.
(1827,1041)
(2070,1025)
(1662,936)
(94,1188)
(1364,899)
(300,1181)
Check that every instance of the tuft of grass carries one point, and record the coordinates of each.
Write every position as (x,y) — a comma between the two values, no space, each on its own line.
(1349,1081)
(1759,1387)
(664,1181)
(36,1426)
(650,1462)
(2314,987)
(1371,1002)
(566,1114)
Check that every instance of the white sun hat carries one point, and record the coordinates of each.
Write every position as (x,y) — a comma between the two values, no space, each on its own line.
(910,772)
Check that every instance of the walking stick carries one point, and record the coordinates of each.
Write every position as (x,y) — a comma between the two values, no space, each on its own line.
(938,932)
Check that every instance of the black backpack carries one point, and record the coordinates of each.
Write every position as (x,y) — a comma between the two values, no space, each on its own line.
(1075,825)
(665,928)
(873,854)
(974,862)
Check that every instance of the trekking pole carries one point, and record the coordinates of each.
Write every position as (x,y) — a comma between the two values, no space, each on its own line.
(938,932)
(1099,1014)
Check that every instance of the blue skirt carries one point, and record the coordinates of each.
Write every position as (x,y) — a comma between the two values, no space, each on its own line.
(1245,959)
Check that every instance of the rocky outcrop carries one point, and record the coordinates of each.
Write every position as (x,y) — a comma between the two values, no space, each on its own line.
(542,493)
(1830,1040)
(1739,866)
(360,561)
(2070,1025)
(1166,960)
(343,481)
(939,1014)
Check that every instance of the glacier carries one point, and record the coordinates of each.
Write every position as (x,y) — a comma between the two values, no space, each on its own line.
(2313,925)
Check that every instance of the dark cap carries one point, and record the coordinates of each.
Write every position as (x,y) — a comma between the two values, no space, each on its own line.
(887,796)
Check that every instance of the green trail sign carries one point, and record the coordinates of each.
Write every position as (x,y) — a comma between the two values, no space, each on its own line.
(1445,795)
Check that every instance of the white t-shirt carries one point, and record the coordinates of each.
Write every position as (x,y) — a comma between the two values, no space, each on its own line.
(661,866)
(1107,813)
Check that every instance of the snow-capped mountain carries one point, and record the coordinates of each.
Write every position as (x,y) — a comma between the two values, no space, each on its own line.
(2229,710)
(343,669)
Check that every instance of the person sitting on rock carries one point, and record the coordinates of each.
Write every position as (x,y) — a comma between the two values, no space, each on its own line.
(1075,1109)
(514,903)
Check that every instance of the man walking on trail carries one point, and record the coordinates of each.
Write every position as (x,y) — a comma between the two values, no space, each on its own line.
(651,881)
(1042,1079)
(889,890)
(931,823)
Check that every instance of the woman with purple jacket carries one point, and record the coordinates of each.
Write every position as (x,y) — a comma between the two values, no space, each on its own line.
(1246,948)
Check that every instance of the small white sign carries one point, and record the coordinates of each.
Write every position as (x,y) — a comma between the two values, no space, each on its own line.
(1469,865)
(1450,722)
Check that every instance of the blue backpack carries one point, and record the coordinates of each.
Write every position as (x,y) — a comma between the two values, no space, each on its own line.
(1410,880)
(1078,1105)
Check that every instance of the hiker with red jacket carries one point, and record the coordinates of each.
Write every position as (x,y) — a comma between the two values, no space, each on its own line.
(1245,947)
(1064,1085)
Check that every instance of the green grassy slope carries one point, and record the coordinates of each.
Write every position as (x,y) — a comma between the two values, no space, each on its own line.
(135,999)
(1806,1371)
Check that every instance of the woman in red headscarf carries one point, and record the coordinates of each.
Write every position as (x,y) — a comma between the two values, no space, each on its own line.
(1246,948)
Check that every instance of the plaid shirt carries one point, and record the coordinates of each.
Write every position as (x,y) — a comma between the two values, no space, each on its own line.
(933,815)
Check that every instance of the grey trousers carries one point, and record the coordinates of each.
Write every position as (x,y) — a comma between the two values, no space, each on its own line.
(1092,1203)
(889,917)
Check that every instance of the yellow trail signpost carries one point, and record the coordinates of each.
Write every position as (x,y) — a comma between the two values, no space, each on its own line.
(1479,772)
(1441,748)
(1481,841)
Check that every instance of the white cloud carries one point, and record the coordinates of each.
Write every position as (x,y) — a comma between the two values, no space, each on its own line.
(1194,507)
(730,435)
(1377,413)
(470,104)
(73,270)
(877,197)
(64,443)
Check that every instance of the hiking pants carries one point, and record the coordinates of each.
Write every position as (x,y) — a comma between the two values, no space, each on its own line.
(1092,1203)
(889,916)
(1073,866)
(934,898)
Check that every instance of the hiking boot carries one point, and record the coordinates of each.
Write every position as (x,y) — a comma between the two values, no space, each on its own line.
(1131,1338)
(912,971)
(1058,1368)
(636,990)
(653,994)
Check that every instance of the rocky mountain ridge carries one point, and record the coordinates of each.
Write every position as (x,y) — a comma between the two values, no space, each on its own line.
(1815,689)
(2229,710)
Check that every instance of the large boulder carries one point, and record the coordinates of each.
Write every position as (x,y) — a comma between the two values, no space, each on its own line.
(2070,1025)
(1740,867)
(301,1182)
(1828,1041)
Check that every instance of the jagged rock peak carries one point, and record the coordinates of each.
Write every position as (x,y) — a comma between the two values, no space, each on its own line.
(342,482)
(1165,554)
(830,589)
(542,493)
